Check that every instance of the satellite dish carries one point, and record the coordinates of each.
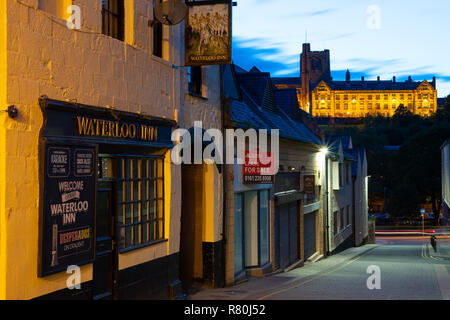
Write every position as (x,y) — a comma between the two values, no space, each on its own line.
(169,12)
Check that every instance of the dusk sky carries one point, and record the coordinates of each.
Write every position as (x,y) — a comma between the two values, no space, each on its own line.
(371,38)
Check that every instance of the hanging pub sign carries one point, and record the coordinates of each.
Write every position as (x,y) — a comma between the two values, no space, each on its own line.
(258,168)
(67,221)
(208,33)
(309,183)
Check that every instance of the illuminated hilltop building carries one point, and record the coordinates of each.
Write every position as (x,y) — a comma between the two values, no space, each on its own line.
(321,96)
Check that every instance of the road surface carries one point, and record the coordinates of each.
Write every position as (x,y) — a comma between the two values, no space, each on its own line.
(409,270)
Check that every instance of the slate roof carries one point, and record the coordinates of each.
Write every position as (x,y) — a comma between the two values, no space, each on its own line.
(259,86)
(356,85)
(287,100)
(345,140)
(262,107)
(372,85)
(288,81)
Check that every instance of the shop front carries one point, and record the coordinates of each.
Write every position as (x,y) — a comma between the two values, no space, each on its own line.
(251,228)
(105,186)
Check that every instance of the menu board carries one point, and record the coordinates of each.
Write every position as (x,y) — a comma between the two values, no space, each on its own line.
(67,224)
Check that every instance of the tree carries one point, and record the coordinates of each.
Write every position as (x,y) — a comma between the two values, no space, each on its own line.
(418,165)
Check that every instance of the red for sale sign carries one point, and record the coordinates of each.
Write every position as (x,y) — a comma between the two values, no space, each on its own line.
(258,168)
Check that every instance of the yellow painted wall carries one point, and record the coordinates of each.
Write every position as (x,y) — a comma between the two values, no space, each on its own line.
(3,116)
(46,58)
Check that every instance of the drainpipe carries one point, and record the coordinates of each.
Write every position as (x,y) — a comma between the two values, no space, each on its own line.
(354,211)
(224,177)
(327,233)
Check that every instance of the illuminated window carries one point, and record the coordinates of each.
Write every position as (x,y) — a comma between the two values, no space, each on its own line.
(113,18)
(140,200)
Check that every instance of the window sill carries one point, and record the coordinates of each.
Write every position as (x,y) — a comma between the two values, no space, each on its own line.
(134,248)
(197,96)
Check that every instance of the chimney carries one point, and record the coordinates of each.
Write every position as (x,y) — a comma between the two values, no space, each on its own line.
(394,79)
(378,78)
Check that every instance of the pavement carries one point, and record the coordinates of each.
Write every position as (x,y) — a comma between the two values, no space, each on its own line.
(409,270)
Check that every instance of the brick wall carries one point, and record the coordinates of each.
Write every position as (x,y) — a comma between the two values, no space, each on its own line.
(44,57)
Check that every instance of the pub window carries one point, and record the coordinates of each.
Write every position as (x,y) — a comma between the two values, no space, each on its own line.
(158,39)
(113,23)
(140,201)
(194,76)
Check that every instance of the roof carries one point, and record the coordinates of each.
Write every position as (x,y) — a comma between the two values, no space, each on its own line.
(259,87)
(380,85)
(376,85)
(264,107)
(288,81)
(346,141)
(287,100)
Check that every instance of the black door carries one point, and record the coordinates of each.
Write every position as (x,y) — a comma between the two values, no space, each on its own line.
(294,243)
(104,277)
(287,241)
(310,234)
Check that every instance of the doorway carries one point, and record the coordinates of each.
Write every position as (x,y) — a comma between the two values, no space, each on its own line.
(105,264)
(287,236)
(191,249)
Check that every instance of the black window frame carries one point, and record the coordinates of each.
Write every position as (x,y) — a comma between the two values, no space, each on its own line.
(195,80)
(113,19)
(123,183)
(157,39)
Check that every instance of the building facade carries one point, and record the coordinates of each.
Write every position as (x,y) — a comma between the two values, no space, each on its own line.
(346,198)
(322,96)
(85,165)
(274,226)
(445,183)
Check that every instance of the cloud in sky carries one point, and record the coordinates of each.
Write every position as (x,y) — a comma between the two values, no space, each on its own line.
(411,40)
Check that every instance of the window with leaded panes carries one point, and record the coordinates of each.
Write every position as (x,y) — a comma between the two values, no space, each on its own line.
(140,201)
